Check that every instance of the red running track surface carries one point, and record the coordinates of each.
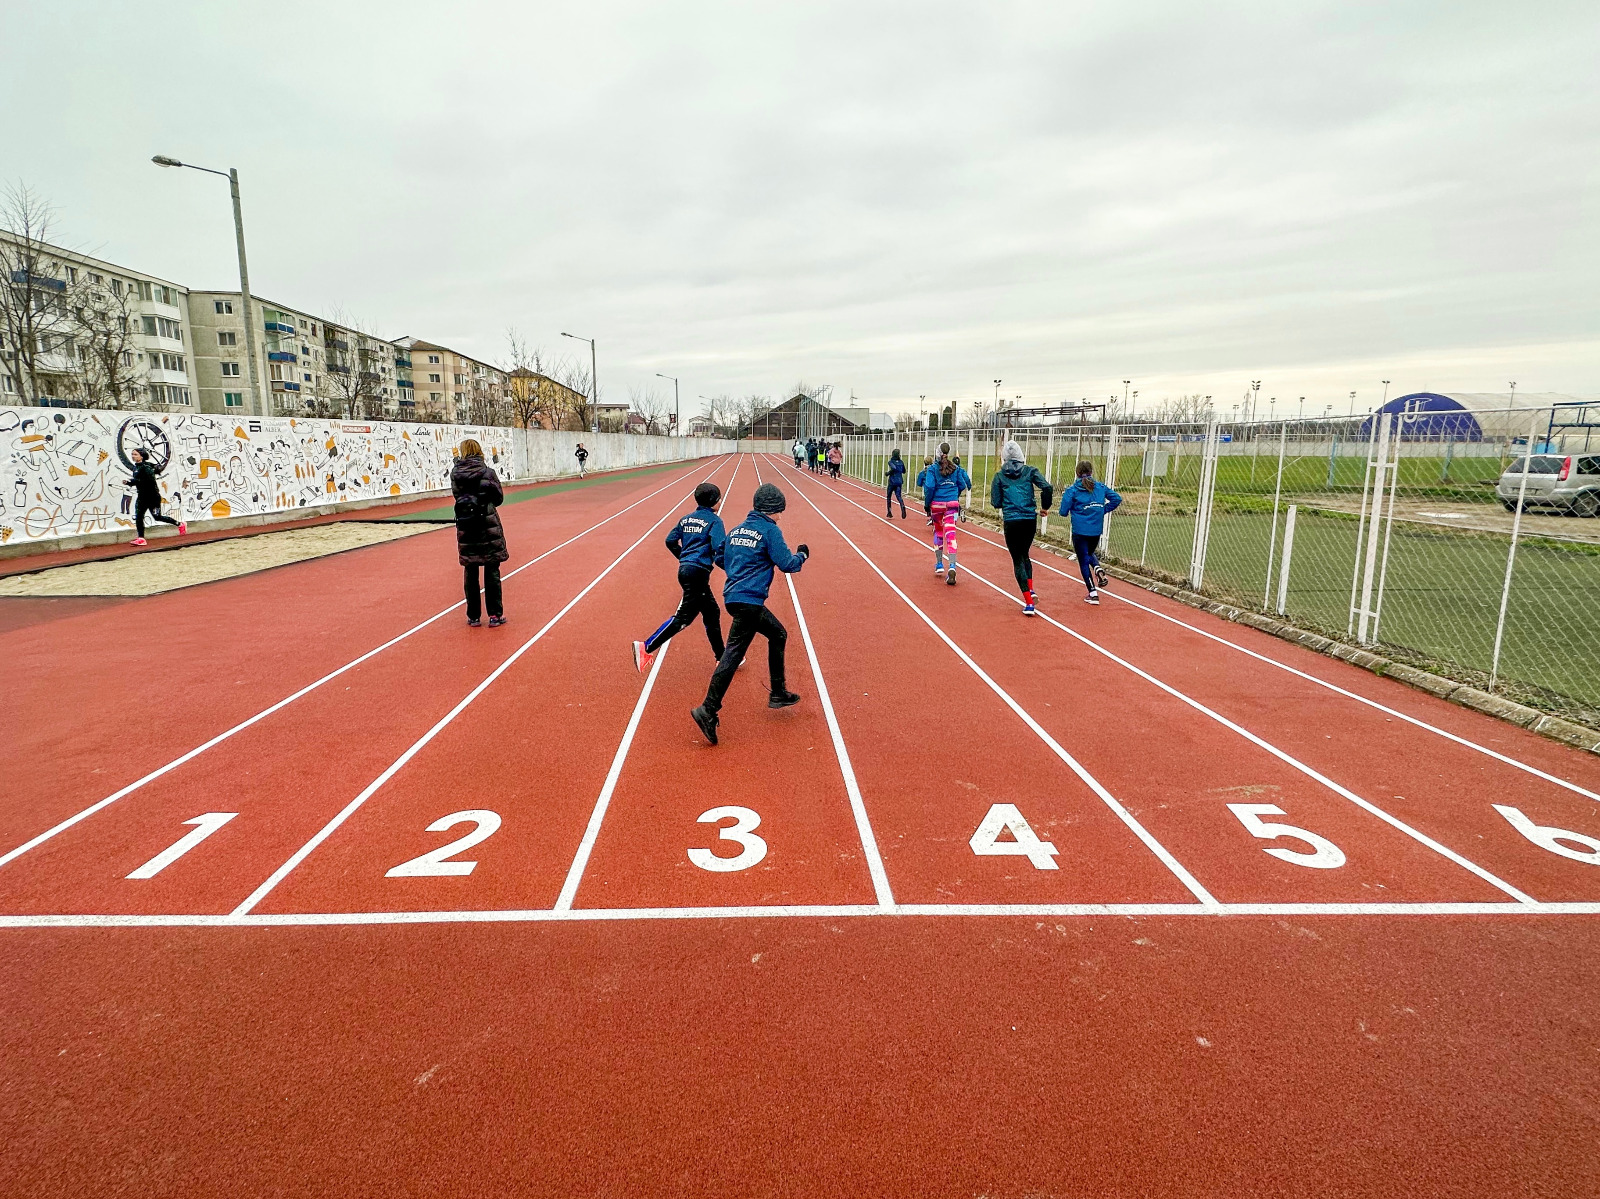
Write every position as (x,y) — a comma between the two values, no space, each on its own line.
(589,1011)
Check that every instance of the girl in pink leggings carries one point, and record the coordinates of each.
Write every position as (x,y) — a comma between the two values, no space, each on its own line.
(946,483)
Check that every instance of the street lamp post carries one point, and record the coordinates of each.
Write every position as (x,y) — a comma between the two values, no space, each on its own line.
(1255,397)
(258,400)
(1352,403)
(594,383)
(677,419)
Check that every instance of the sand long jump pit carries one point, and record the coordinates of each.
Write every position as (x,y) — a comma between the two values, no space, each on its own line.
(155,571)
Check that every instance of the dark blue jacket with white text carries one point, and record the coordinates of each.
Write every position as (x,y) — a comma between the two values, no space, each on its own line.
(945,488)
(749,556)
(696,540)
(1089,506)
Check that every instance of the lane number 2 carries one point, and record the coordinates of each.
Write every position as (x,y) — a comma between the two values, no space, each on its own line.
(206,823)
(1327,855)
(741,832)
(1546,837)
(1004,817)
(437,861)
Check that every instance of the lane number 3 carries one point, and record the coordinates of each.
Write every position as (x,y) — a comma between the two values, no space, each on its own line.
(437,862)
(1326,855)
(741,832)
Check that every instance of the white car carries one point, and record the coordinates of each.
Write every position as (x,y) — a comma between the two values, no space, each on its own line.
(1570,482)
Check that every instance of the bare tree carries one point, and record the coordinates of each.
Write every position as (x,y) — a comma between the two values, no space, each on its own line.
(904,422)
(113,366)
(526,393)
(652,405)
(578,407)
(36,323)
(1184,408)
(351,356)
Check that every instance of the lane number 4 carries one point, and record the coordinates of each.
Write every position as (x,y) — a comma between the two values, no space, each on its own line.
(1325,856)
(1004,817)
(1550,838)
(437,861)
(741,832)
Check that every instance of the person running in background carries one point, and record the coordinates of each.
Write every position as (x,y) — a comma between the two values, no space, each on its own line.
(147,497)
(1012,494)
(798,450)
(480,541)
(947,483)
(925,483)
(835,458)
(1088,502)
(696,542)
(811,454)
(822,456)
(896,472)
(752,552)
(582,455)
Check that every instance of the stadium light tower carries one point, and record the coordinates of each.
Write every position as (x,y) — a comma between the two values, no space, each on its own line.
(1385,393)
(1255,396)
(1352,403)
(258,400)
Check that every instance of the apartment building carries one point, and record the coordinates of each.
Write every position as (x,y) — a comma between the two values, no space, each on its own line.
(308,365)
(451,386)
(77,330)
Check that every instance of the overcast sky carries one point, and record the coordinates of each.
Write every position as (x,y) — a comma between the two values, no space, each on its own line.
(897,199)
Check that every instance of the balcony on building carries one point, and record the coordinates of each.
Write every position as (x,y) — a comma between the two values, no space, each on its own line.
(334,343)
(404,383)
(338,368)
(368,376)
(403,361)
(278,327)
(284,385)
(282,356)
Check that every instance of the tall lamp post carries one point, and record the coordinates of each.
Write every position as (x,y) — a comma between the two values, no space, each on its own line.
(1255,397)
(594,383)
(677,419)
(258,400)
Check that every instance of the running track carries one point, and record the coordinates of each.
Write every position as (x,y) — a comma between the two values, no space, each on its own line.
(1399,1001)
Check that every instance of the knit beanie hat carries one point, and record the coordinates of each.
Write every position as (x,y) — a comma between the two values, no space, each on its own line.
(769,500)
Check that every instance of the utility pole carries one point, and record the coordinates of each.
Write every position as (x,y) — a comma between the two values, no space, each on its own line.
(677,418)
(594,383)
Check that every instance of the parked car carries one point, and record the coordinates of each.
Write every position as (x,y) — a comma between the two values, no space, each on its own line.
(1570,482)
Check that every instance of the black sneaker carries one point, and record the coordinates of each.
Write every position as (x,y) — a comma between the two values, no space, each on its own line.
(473,623)
(782,699)
(707,723)
(1100,576)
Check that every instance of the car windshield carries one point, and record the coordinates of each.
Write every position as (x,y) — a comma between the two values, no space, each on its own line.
(1541,466)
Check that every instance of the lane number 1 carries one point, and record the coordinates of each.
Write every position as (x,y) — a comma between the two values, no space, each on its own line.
(206,823)
(1326,855)
(741,832)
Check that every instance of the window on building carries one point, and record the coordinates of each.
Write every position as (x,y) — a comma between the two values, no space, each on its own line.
(230,370)
(148,324)
(116,287)
(277,370)
(432,358)
(8,384)
(72,274)
(145,291)
(433,378)
(224,307)
(306,376)
(224,338)
(434,397)
(127,357)
(233,399)
(96,279)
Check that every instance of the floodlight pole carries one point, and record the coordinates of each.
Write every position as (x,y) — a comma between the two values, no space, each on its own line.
(677,417)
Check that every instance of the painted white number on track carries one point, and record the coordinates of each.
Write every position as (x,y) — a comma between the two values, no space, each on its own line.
(434,863)
(207,822)
(742,833)
(1328,856)
(1550,838)
(1004,816)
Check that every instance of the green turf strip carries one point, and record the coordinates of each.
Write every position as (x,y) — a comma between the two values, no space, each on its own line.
(447,513)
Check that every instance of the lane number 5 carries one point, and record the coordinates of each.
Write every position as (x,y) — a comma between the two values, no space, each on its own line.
(1327,855)
(741,832)
(435,862)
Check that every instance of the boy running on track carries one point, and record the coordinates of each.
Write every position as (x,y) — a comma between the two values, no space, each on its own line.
(798,449)
(582,455)
(947,483)
(148,498)
(1012,493)
(696,542)
(896,471)
(926,487)
(752,552)
(1088,502)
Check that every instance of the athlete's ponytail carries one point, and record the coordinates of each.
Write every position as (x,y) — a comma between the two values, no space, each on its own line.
(946,467)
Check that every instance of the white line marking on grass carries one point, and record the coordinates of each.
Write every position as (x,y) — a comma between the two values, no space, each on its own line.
(858,807)
(289,699)
(1122,813)
(816,911)
(1288,759)
(394,767)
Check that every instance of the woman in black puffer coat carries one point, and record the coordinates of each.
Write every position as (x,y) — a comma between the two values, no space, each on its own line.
(480,541)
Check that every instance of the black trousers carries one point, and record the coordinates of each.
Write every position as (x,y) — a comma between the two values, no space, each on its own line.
(1087,549)
(697,601)
(153,507)
(1019,540)
(491,589)
(748,620)
(896,490)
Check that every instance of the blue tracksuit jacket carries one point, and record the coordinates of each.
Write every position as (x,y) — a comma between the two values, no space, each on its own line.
(696,540)
(945,488)
(896,471)
(1089,506)
(749,556)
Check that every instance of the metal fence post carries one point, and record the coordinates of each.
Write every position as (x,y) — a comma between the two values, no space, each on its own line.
(1152,455)
(1111,479)
(1388,527)
(1277,495)
(1288,553)
(1361,527)
(1202,513)
(1511,557)
(1049,469)
(1369,557)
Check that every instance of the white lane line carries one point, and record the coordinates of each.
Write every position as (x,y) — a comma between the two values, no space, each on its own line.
(289,699)
(1122,813)
(858,807)
(591,832)
(1415,721)
(1288,759)
(394,767)
(821,911)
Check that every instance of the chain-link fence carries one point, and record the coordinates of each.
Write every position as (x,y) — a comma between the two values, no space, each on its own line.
(1436,537)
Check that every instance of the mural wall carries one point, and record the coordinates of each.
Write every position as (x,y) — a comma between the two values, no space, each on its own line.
(63,470)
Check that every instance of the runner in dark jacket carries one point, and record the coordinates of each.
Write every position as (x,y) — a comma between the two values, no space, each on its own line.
(1012,493)
(147,498)
(696,542)
(1087,503)
(480,539)
(896,472)
(582,455)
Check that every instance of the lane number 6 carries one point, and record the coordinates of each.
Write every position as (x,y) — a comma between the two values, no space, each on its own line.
(741,832)
(1327,855)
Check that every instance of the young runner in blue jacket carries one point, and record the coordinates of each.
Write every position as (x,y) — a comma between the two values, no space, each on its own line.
(1088,502)
(922,486)
(751,553)
(1012,493)
(896,472)
(947,482)
(696,542)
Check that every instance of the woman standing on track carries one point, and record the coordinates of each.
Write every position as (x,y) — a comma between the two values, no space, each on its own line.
(147,498)
(1088,502)
(896,471)
(480,541)
(947,483)
(1012,493)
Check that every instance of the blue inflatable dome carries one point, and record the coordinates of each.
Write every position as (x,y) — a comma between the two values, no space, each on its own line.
(1429,416)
